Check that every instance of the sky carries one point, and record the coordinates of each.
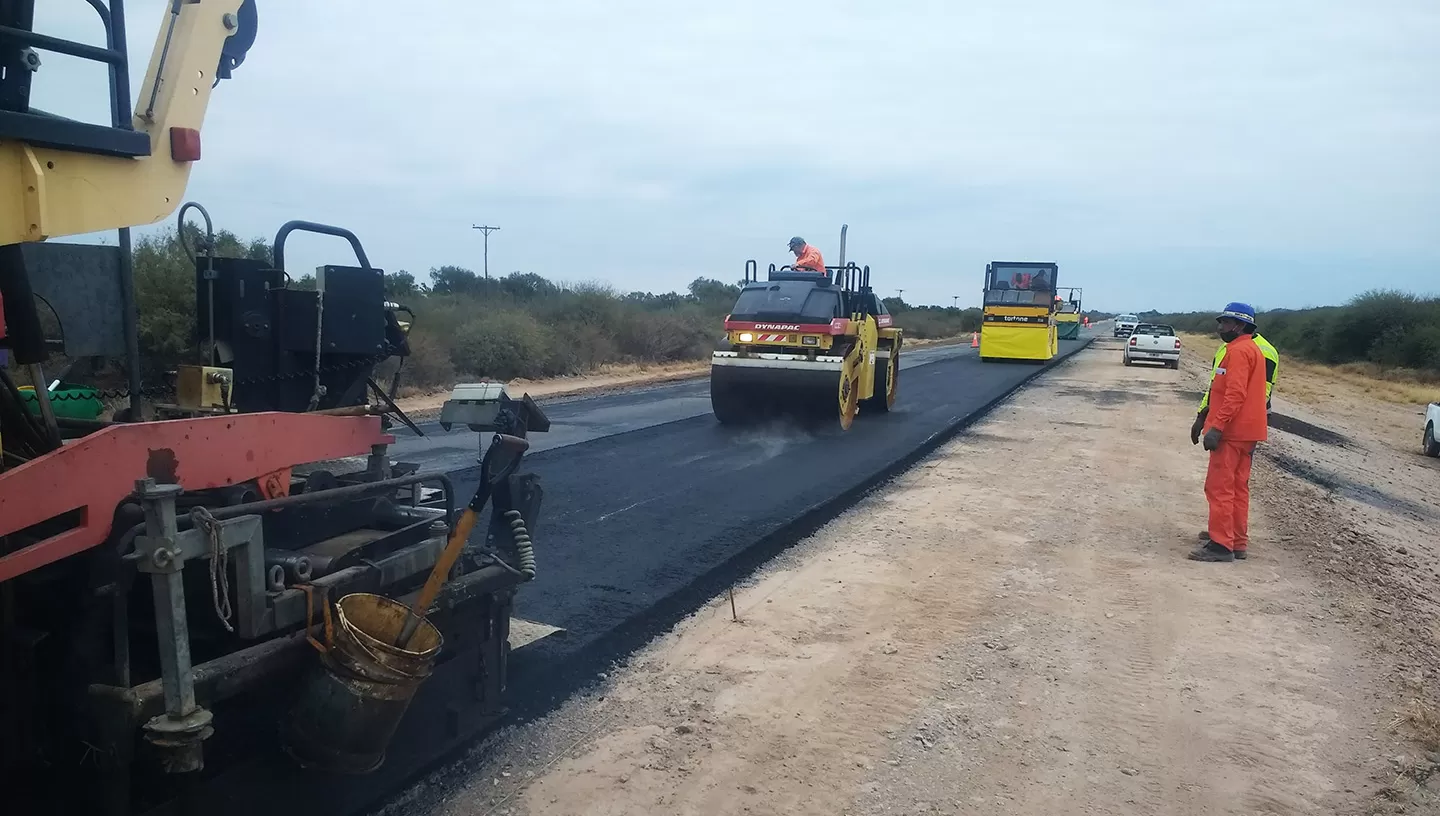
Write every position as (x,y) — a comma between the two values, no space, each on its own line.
(1167,156)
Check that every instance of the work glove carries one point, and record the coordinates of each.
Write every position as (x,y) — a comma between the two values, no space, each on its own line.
(1196,428)
(1212,439)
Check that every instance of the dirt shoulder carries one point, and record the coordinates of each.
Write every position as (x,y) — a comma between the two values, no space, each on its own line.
(608,379)
(1012,628)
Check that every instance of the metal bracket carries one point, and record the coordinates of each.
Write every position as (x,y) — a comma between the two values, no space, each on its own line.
(244,538)
(180,732)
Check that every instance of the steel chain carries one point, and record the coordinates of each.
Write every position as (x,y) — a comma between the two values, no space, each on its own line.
(165,390)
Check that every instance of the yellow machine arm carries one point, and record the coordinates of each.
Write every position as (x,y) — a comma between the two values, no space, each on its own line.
(93,179)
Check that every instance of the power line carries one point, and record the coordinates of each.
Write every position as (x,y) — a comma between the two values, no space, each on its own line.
(486,231)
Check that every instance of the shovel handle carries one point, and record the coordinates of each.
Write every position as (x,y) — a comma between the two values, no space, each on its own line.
(438,574)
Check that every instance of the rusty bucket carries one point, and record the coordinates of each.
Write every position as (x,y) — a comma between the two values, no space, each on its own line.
(354,699)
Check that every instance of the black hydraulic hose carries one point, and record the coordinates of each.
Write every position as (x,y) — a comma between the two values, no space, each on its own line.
(513,518)
(32,440)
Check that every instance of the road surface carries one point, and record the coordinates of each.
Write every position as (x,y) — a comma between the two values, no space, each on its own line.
(581,419)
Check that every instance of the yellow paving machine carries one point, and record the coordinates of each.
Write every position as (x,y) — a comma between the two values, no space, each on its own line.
(249,605)
(1019,321)
(805,345)
(1067,315)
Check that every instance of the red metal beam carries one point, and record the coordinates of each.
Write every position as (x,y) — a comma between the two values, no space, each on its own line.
(94,474)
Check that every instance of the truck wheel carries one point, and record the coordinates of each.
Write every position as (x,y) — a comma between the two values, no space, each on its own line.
(1125,358)
(1430,444)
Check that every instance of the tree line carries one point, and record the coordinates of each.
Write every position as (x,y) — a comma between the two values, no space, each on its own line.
(1388,329)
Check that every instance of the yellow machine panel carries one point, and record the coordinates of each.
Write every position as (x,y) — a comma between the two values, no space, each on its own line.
(54,193)
(204,388)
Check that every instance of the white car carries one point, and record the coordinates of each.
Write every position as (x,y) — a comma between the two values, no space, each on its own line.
(1430,442)
(1153,343)
(1125,325)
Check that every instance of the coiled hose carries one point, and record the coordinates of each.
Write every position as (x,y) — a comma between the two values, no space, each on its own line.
(523,546)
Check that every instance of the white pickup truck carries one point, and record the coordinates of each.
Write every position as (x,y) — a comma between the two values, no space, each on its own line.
(1430,442)
(1125,325)
(1153,343)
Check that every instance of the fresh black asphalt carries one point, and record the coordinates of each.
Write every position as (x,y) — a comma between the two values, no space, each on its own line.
(639,528)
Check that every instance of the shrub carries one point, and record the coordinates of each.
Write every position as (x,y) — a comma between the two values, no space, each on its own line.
(1391,330)
(502,345)
(667,337)
(429,365)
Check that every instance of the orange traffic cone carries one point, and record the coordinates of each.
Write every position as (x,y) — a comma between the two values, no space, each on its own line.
(974,340)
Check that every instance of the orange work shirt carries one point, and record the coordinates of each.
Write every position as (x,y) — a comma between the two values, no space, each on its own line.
(1237,396)
(810,258)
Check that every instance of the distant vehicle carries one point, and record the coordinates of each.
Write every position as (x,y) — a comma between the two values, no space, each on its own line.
(1019,311)
(1153,343)
(1125,325)
(1430,442)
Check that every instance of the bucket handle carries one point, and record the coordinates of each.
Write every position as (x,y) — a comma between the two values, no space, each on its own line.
(322,648)
(376,659)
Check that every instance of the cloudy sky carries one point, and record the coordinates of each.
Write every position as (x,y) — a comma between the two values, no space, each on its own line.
(1166,155)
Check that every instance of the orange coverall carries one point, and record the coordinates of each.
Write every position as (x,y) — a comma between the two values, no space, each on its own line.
(1239,394)
(810,258)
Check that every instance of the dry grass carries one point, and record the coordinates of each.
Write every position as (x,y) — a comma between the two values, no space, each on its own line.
(1420,721)
(1316,384)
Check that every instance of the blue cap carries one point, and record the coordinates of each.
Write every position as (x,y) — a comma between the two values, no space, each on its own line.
(1239,311)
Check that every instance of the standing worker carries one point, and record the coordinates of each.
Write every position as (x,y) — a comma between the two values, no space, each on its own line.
(806,256)
(1272,367)
(1234,423)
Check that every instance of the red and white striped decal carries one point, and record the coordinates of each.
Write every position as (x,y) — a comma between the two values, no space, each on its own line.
(771,338)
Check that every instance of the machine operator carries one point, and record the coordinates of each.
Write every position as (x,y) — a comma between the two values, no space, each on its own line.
(806,256)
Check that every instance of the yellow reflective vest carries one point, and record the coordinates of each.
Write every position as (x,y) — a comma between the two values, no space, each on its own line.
(1272,365)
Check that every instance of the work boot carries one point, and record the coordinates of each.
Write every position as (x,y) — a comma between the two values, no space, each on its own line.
(1211,552)
(1239,552)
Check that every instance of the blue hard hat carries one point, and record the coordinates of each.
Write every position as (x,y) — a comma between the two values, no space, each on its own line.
(1243,312)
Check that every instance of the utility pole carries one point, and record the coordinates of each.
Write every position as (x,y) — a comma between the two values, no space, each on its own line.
(902,295)
(486,231)
(954,301)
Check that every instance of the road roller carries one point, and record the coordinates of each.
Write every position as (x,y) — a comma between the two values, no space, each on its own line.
(806,346)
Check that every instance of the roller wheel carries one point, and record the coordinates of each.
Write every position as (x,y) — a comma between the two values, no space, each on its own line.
(729,405)
(887,384)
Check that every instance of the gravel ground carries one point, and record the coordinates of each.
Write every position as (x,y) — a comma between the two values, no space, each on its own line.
(1012,628)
